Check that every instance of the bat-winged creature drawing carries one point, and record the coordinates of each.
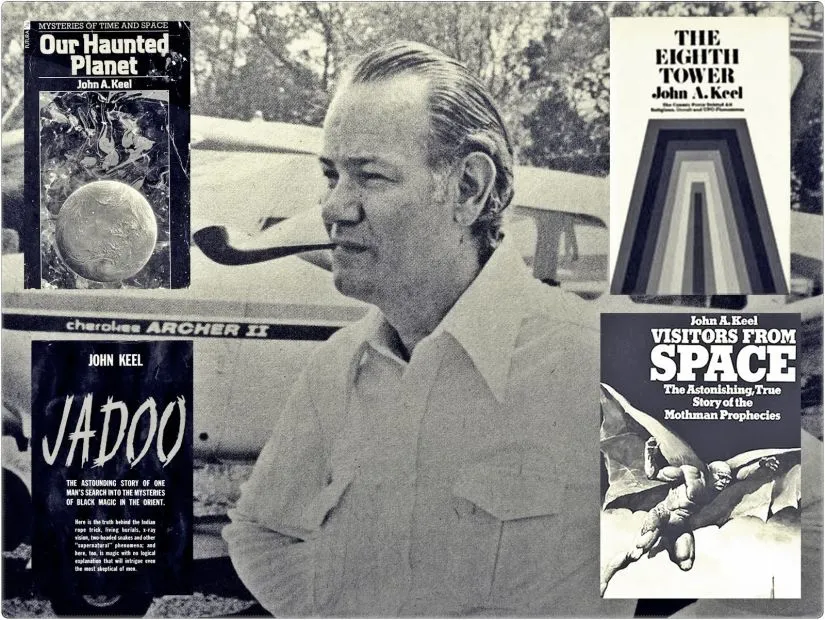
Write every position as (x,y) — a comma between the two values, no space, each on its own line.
(651,468)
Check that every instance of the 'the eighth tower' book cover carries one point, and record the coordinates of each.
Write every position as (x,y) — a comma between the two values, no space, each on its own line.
(699,155)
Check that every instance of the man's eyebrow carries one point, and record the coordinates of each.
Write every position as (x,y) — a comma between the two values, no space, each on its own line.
(363,161)
(356,161)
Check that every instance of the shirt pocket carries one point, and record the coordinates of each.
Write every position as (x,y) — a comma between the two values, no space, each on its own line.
(529,503)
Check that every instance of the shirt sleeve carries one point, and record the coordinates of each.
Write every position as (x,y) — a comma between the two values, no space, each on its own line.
(268,534)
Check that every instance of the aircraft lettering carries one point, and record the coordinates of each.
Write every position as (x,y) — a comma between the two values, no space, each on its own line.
(256,331)
(193,328)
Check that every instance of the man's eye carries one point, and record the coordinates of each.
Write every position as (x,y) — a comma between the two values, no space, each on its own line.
(331,177)
(372,176)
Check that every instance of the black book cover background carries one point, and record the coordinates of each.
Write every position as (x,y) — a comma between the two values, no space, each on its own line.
(61,369)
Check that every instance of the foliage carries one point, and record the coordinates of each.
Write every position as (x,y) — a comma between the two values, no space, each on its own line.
(545,63)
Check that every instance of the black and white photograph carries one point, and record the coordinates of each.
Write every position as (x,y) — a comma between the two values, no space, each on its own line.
(396,260)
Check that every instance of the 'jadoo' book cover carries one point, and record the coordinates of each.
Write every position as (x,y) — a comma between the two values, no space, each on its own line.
(111,473)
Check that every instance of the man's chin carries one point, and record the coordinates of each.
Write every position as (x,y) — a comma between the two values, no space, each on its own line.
(352,286)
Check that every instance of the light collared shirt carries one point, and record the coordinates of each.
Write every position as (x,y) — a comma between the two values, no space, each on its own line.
(464,481)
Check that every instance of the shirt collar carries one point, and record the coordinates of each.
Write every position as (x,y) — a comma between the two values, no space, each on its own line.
(485,320)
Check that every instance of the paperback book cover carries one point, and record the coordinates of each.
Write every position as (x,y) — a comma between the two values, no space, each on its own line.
(107,154)
(700,437)
(700,156)
(111,473)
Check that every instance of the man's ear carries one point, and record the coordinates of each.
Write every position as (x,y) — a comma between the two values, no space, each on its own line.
(477,175)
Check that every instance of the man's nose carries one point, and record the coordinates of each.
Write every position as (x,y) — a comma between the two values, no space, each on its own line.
(342,204)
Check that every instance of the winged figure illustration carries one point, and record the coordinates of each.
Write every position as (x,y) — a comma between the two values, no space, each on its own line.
(651,468)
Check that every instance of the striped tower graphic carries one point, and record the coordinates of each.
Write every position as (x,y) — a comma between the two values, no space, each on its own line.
(698,222)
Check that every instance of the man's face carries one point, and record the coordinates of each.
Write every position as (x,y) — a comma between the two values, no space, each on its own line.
(386,209)
(721,475)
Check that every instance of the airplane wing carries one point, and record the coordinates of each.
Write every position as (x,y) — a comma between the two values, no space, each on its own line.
(236,135)
(583,197)
(244,190)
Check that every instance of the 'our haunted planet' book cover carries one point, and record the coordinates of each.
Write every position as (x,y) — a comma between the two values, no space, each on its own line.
(107,144)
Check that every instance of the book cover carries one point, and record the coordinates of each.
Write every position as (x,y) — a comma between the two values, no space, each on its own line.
(111,473)
(700,438)
(107,154)
(700,156)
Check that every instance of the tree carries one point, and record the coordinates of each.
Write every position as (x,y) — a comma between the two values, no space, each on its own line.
(546,64)
(569,85)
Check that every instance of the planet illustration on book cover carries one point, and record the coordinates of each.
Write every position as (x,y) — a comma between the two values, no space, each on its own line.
(105,189)
(106,231)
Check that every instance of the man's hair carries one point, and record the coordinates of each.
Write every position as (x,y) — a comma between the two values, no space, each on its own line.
(463,119)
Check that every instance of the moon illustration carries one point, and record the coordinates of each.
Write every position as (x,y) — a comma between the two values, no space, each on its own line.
(106,231)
